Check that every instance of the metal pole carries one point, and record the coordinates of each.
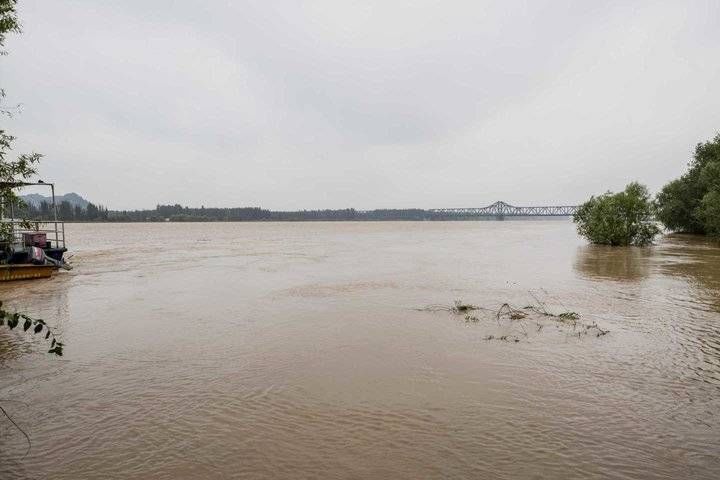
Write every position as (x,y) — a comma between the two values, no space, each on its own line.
(52,189)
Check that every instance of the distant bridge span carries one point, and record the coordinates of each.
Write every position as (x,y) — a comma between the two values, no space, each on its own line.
(502,209)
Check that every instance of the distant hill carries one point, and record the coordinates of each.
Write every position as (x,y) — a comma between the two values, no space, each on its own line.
(35,199)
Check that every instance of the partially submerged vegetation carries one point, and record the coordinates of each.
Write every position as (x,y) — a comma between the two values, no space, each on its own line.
(520,321)
(457,307)
(461,307)
(691,203)
(34,325)
(618,219)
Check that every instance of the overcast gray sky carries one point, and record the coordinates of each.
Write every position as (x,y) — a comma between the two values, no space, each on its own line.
(291,105)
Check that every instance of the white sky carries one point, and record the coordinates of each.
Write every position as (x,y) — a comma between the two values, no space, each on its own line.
(368,104)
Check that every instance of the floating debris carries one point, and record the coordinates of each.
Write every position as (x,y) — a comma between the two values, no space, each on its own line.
(517,319)
(504,338)
(457,307)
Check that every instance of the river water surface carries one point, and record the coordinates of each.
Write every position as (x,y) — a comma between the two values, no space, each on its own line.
(302,350)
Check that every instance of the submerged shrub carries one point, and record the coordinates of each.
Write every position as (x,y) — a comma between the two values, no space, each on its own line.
(623,218)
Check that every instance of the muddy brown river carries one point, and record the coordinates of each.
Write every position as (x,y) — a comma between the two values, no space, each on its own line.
(304,350)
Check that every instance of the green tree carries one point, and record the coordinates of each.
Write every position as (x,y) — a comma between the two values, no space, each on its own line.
(8,21)
(616,219)
(91,211)
(22,168)
(709,212)
(13,172)
(690,203)
(65,210)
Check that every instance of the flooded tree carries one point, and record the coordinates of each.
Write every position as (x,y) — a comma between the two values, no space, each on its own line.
(691,203)
(618,219)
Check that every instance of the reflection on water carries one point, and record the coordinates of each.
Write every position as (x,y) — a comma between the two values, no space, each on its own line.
(296,351)
(697,260)
(683,282)
(9,346)
(613,263)
(692,259)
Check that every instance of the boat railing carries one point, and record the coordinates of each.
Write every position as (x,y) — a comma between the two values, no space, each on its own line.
(54,230)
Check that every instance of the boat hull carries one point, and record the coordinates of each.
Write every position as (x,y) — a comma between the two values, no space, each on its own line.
(10,273)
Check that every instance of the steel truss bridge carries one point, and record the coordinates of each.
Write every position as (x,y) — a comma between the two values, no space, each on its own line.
(502,209)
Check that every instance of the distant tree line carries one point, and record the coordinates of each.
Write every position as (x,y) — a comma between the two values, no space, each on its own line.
(179,213)
(66,211)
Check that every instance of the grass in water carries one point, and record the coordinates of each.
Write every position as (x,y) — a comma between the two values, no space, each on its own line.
(518,317)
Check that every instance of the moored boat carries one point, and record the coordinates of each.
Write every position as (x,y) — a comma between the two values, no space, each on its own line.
(31,249)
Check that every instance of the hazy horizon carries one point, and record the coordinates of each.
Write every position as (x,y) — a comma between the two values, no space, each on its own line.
(371,105)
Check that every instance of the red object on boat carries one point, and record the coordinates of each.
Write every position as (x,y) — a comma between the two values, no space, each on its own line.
(35,239)
(37,255)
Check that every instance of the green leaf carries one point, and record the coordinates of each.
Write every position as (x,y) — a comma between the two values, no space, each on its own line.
(27,325)
(38,328)
(47,335)
(57,351)
(12,323)
(52,344)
